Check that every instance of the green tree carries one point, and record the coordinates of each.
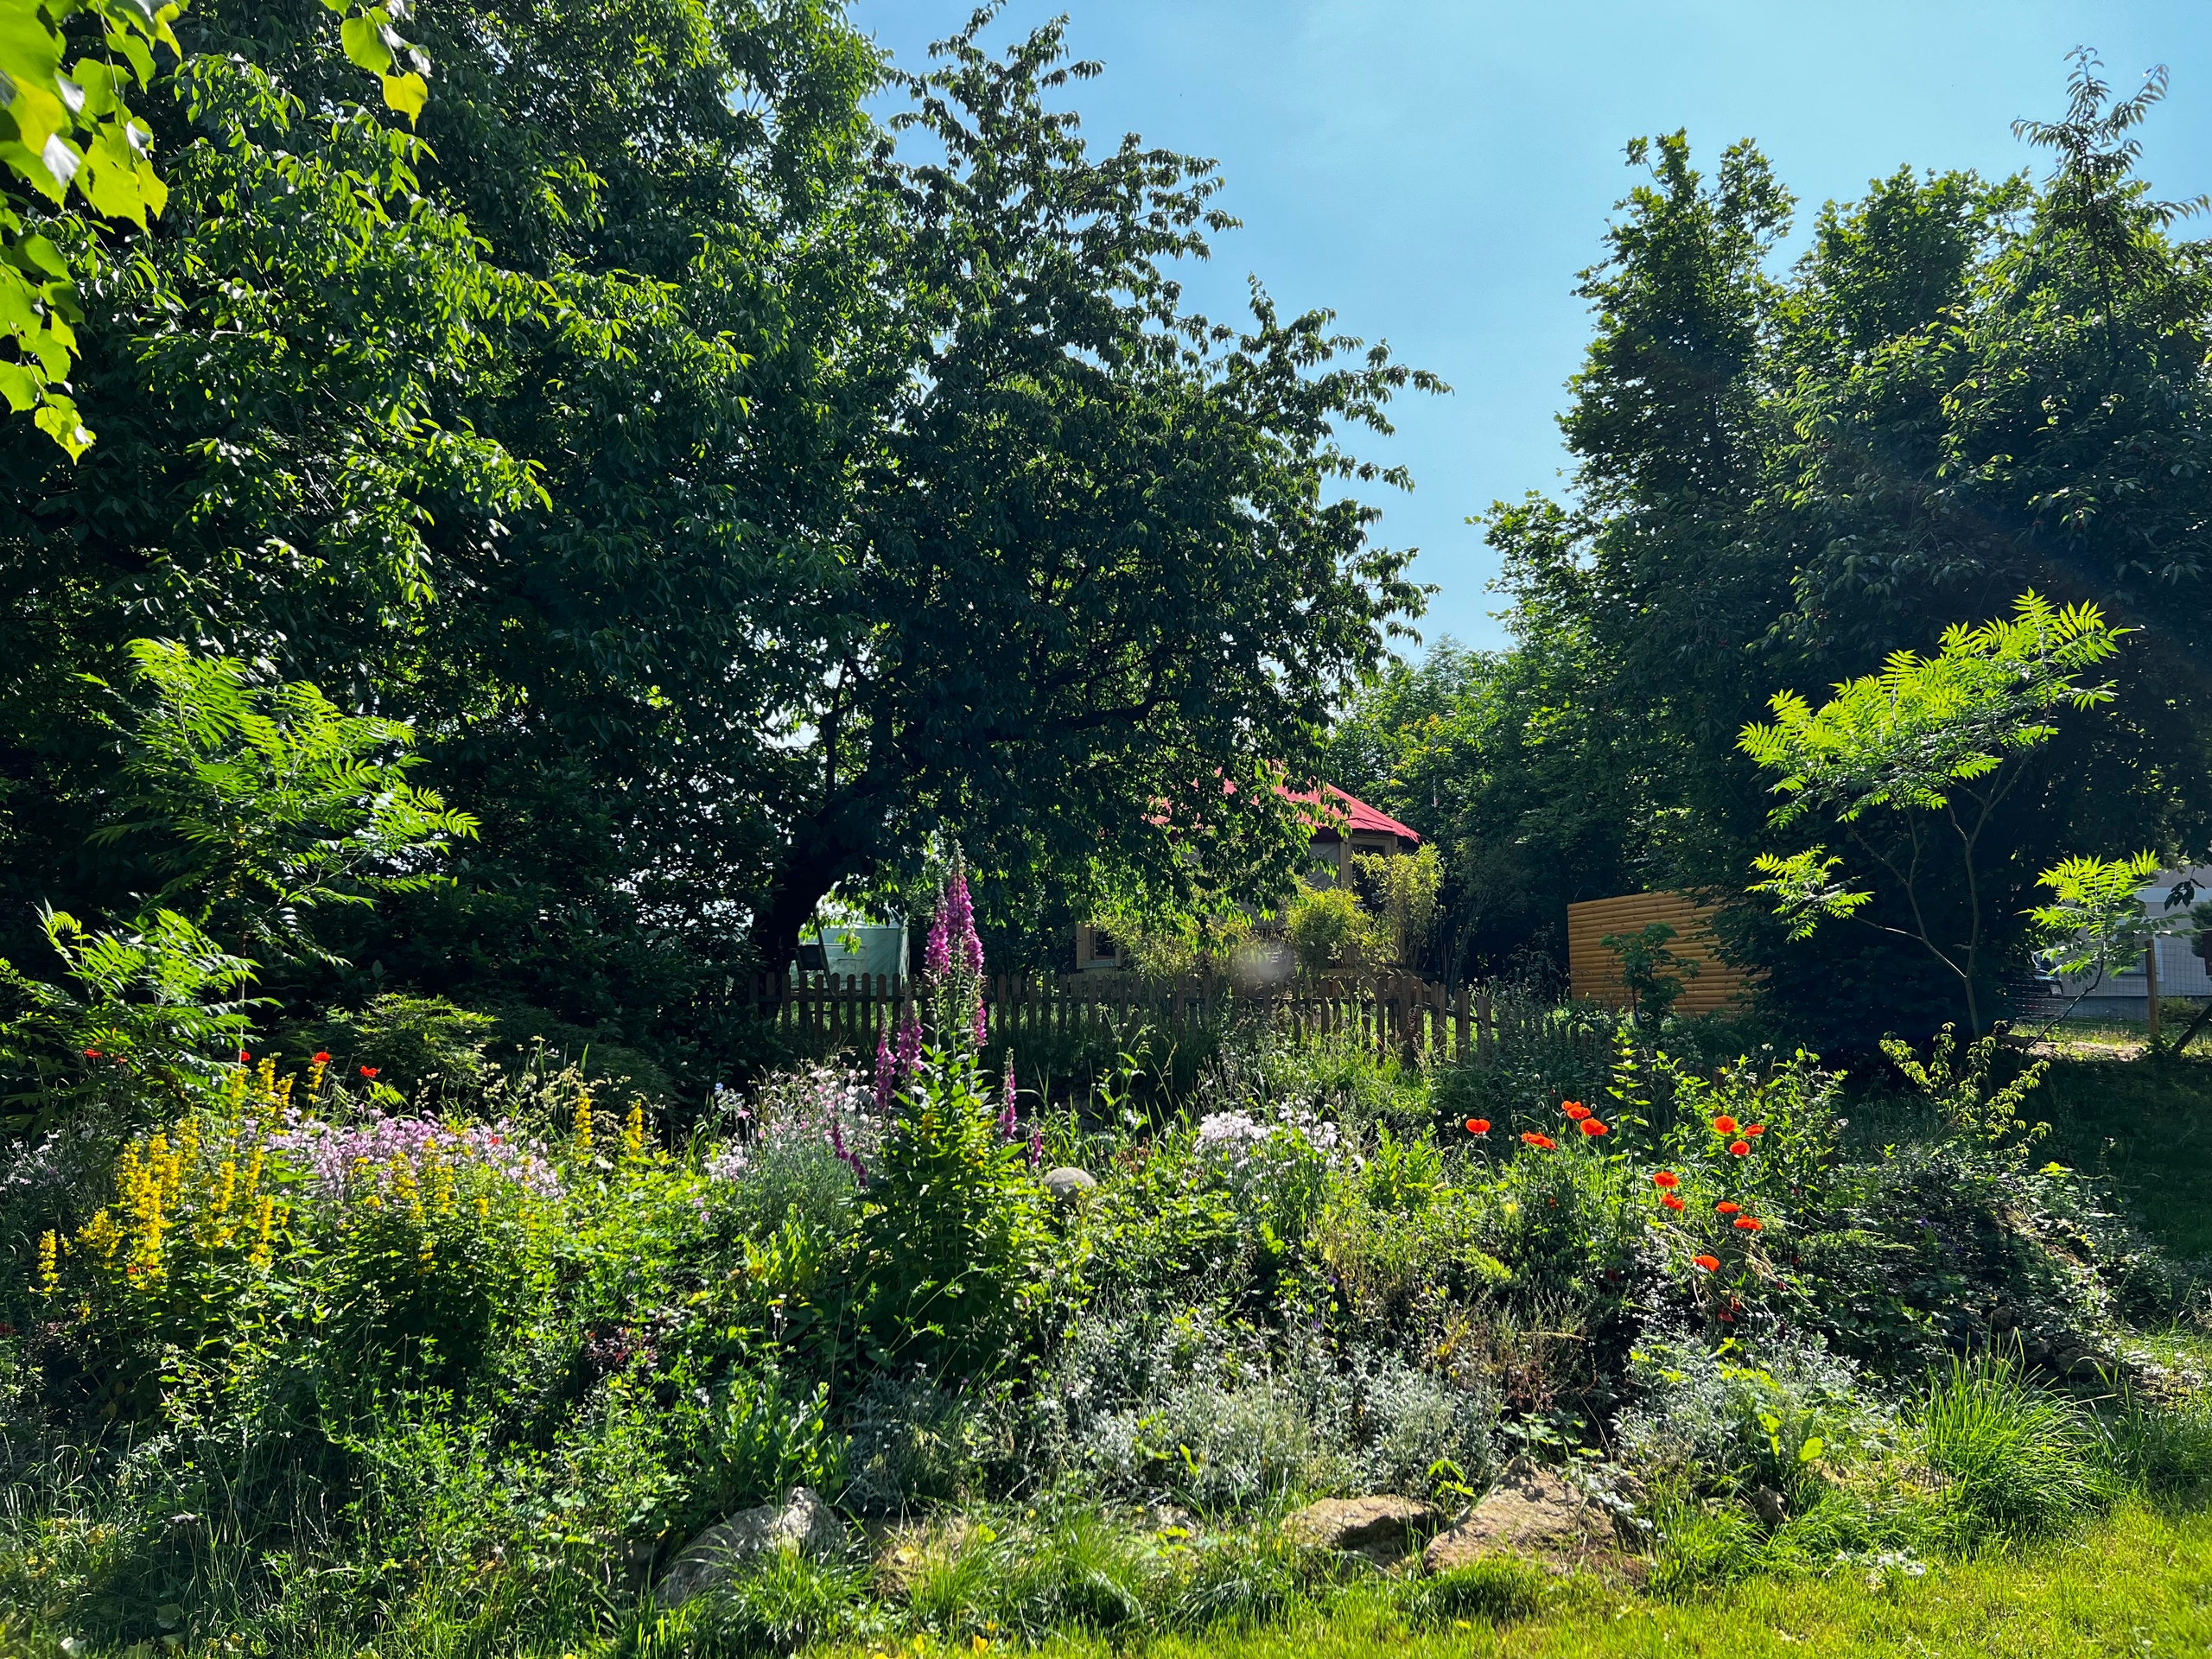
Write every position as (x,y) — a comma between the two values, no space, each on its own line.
(269,804)
(726,500)
(1099,598)
(1528,786)
(1964,387)
(1941,742)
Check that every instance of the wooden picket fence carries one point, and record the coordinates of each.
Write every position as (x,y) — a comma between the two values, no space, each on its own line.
(1389,1011)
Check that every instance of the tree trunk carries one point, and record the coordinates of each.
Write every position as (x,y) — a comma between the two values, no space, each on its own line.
(817,864)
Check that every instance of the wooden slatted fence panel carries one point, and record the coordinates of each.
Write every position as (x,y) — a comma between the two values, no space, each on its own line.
(1593,972)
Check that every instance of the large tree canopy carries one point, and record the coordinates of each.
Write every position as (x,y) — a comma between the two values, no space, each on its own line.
(732,495)
(1962,391)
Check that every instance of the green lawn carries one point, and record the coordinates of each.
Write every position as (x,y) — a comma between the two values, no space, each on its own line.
(2147,1124)
(2139,1582)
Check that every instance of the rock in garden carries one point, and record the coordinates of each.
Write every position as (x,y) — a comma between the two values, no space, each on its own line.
(801,1523)
(1531,1512)
(1380,1527)
(1067,1182)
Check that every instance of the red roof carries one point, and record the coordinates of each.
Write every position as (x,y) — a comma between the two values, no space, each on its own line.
(1340,807)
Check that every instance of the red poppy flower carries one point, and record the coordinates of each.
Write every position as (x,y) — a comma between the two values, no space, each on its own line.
(322,1056)
(1754,1128)
(369,1071)
(1706,1263)
(1593,1129)
(1576,1110)
(1542,1141)
(1749,1224)
(1478,1126)
(1723,1124)
(1739,1149)
(1670,1201)
(1667,1180)
(1726,1207)
(91,1053)
(245,1059)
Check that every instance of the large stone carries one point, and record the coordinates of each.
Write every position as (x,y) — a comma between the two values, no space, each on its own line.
(1067,1183)
(1381,1527)
(1531,1512)
(801,1524)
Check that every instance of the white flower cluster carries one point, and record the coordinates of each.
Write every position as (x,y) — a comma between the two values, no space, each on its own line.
(1249,1151)
(832,1106)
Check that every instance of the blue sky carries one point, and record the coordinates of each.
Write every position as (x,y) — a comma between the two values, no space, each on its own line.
(1437,172)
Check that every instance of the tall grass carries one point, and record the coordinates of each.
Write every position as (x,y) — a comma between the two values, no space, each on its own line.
(2019,1458)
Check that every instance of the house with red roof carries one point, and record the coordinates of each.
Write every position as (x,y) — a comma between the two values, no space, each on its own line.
(1345,827)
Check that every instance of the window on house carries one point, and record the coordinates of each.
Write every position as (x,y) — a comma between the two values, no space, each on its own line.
(1103,947)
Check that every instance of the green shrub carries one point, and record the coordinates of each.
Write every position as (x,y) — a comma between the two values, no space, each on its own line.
(954,1237)
(2163,1447)
(1769,1414)
(412,1041)
(2019,1458)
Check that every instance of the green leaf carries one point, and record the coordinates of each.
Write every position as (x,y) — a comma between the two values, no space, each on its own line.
(19,385)
(407,94)
(58,419)
(1810,1452)
(364,40)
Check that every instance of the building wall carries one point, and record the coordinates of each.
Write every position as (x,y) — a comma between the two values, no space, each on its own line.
(1594,972)
(2180,971)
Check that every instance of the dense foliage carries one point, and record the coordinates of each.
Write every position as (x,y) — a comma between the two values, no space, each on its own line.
(1962,391)
(727,491)
(305,1360)
(480,570)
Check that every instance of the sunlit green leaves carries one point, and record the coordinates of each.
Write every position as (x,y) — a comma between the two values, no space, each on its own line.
(373,43)
(1902,738)
(270,802)
(1804,889)
(58,131)
(2095,917)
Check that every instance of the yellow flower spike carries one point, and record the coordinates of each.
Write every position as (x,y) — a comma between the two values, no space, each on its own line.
(634,1132)
(265,1226)
(268,1077)
(227,1181)
(483,1208)
(101,1234)
(252,1176)
(583,1119)
(49,1262)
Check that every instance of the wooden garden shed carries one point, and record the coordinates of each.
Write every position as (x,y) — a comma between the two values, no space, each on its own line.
(1594,972)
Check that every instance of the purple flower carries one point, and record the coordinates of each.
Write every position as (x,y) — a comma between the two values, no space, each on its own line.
(910,1047)
(1036,1145)
(1008,1127)
(886,1077)
(983,1029)
(960,910)
(936,955)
